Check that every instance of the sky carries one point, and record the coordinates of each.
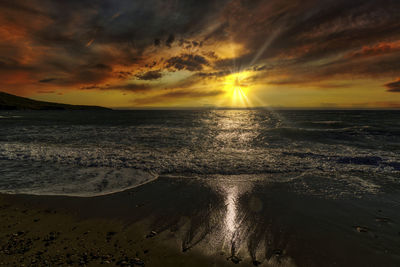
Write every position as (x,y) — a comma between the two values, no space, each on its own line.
(209,53)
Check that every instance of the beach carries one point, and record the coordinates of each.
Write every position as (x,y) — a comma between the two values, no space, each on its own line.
(247,187)
(164,223)
(213,133)
(52,231)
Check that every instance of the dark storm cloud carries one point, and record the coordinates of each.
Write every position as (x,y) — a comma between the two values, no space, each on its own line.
(150,75)
(393,87)
(82,41)
(297,34)
(187,62)
(63,35)
(23,7)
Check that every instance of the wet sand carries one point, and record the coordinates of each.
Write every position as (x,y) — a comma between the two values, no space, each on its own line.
(189,222)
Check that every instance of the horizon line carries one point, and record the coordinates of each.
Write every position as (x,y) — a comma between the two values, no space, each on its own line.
(261,107)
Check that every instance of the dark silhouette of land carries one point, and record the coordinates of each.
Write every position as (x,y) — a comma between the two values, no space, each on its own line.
(13,102)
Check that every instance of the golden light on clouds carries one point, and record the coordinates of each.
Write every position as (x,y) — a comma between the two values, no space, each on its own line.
(209,53)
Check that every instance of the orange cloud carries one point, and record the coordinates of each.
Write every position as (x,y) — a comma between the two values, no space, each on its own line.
(378,49)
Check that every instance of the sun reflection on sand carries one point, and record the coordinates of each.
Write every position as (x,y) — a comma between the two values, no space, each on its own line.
(231,211)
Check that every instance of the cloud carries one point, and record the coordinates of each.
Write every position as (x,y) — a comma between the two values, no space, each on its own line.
(187,62)
(48,80)
(150,75)
(130,87)
(190,93)
(176,94)
(133,87)
(46,92)
(170,40)
(213,74)
(393,87)
(123,74)
(376,50)
(96,44)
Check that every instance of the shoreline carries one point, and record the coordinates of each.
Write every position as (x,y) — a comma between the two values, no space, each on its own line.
(52,230)
(173,222)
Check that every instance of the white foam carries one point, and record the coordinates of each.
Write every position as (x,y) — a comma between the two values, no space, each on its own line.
(57,179)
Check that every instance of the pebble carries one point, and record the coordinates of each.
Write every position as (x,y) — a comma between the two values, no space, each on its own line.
(151,234)
(138,261)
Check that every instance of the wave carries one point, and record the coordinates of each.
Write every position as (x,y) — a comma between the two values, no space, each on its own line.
(57,179)
(90,171)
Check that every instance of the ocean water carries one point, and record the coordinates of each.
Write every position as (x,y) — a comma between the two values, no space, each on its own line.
(331,154)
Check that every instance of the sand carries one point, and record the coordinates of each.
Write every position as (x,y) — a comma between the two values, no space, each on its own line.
(39,236)
(187,223)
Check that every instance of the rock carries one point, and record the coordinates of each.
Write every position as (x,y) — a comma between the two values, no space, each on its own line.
(138,261)
(235,259)
(361,229)
(151,234)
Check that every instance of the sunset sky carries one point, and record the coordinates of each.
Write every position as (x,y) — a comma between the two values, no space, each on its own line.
(186,53)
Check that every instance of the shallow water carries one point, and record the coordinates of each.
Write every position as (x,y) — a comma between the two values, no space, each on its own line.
(331,154)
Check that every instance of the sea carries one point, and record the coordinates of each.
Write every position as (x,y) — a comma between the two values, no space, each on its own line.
(326,153)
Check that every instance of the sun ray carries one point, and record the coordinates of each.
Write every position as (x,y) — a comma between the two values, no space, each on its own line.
(237,88)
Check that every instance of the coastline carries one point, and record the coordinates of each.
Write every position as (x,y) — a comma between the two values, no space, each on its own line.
(53,230)
(178,222)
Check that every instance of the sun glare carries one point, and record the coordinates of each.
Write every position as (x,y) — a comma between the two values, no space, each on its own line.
(237,88)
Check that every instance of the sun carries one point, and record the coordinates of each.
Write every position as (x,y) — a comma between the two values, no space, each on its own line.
(236,87)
